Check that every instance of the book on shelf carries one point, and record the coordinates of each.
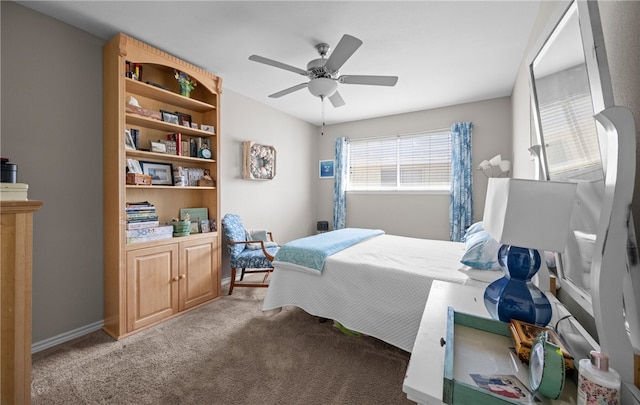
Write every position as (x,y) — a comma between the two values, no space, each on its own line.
(140,211)
(138,204)
(142,218)
(142,225)
(177,138)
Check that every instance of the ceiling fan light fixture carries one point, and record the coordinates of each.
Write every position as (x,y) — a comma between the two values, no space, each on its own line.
(322,87)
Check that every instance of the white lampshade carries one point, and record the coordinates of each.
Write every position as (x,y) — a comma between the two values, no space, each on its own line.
(529,213)
(322,87)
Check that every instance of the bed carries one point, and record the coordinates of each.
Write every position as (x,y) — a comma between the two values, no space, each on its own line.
(377,286)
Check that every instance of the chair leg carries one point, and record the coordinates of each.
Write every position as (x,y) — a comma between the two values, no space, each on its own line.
(233,280)
(242,274)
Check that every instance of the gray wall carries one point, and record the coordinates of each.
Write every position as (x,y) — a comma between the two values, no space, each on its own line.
(52,129)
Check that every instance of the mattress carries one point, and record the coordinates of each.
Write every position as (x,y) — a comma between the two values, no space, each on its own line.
(378,287)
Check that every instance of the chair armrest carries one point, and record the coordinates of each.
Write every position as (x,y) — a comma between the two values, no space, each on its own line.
(261,242)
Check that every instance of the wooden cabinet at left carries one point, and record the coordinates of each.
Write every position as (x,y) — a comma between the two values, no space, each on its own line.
(16,227)
(175,137)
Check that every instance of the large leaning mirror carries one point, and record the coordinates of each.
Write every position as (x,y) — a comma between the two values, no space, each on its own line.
(567,90)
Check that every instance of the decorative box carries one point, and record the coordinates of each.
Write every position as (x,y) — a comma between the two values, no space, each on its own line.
(205,183)
(524,333)
(149,234)
(13,191)
(138,179)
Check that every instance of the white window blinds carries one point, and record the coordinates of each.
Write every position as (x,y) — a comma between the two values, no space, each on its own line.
(571,141)
(416,162)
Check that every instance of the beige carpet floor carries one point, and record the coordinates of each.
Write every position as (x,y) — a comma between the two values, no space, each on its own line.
(226,352)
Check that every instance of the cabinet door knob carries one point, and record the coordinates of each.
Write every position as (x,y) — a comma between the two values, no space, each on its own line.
(183,276)
(175,278)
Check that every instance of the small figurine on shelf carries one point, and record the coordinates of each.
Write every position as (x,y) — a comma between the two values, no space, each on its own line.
(186,83)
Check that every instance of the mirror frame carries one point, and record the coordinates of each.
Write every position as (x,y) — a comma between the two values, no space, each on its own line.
(615,270)
(601,95)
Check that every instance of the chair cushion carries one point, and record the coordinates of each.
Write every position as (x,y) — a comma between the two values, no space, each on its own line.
(234,231)
(253,259)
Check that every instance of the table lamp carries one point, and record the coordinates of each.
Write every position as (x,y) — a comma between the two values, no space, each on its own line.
(525,216)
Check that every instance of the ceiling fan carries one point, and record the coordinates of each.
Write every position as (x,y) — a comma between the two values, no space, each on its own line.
(324,72)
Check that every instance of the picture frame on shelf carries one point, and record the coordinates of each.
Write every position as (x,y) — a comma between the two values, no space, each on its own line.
(158,147)
(184,119)
(161,173)
(208,128)
(204,226)
(129,144)
(327,169)
(169,117)
(196,216)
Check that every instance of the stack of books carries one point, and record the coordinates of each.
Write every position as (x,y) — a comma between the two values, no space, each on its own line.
(141,215)
(143,224)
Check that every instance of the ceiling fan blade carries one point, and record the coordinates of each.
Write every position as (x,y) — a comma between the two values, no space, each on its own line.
(336,100)
(274,63)
(289,90)
(346,47)
(371,80)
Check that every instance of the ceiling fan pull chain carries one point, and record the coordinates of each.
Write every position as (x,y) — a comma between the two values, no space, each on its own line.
(322,101)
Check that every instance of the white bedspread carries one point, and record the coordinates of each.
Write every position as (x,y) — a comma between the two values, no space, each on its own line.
(378,287)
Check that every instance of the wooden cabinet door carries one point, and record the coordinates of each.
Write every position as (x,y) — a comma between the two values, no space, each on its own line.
(198,272)
(152,285)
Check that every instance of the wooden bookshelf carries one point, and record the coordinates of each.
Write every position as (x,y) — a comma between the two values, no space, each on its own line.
(148,282)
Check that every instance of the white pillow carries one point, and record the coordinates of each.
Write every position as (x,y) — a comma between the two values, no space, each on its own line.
(259,235)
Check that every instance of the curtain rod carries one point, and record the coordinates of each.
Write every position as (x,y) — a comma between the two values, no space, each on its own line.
(401,135)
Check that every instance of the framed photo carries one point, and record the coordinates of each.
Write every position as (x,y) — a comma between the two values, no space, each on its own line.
(327,168)
(204,226)
(161,173)
(196,216)
(208,128)
(184,119)
(169,117)
(128,140)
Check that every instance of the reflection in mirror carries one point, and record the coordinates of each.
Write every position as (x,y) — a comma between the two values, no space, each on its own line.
(570,147)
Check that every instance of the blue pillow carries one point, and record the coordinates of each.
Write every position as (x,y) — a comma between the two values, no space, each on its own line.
(477,227)
(481,251)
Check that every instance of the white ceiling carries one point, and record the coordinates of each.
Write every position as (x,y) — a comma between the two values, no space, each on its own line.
(444,52)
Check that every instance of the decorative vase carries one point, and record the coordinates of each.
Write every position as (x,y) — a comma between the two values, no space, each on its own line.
(514,296)
(185,91)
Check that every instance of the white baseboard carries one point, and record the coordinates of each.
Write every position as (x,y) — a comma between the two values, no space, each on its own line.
(65,337)
(72,334)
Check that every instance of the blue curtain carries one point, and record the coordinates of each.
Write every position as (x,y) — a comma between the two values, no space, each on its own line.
(461,200)
(340,185)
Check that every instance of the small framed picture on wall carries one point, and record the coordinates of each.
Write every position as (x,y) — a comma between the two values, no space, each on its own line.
(327,168)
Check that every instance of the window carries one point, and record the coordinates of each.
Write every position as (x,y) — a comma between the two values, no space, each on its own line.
(418,162)
(570,136)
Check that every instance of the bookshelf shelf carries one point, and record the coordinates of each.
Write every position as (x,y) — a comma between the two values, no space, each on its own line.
(151,281)
(138,120)
(165,96)
(162,157)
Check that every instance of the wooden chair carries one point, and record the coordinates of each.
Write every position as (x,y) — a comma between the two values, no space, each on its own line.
(252,256)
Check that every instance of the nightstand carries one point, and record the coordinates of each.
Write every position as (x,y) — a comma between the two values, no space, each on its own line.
(424,378)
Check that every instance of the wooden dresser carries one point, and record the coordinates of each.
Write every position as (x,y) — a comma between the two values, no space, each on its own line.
(16,229)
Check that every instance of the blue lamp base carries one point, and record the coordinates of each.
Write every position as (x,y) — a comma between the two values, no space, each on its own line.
(514,296)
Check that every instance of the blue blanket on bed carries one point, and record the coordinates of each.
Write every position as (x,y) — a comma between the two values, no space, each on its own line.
(312,251)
